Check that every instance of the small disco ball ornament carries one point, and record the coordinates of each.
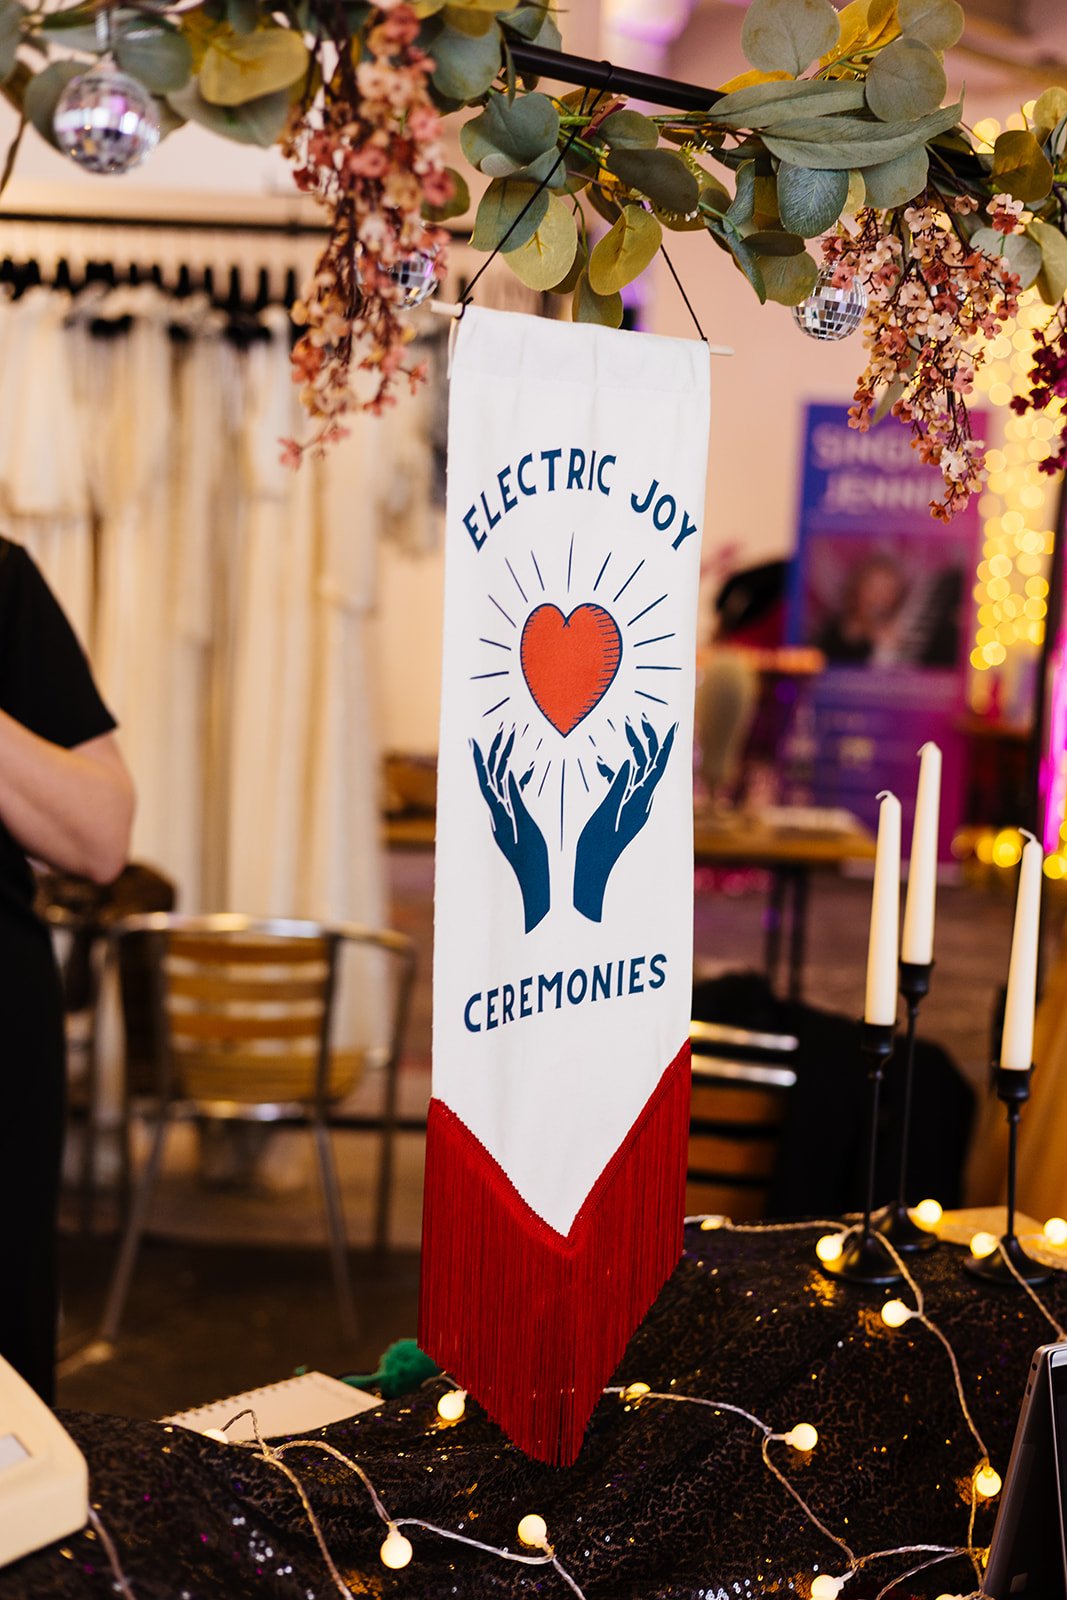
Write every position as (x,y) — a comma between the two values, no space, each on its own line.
(830,313)
(106,121)
(414,275)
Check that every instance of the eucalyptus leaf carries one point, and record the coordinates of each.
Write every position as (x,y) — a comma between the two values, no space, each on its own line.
(500,209)
(242,15)
(774,242)
(42,96)
(515,132)
(588,306)
(470,19)
(844,142)
(257,122)
(548,169)
(788,35)
(548,36)
(856,198)
(569,282)
(525,21)
(713,199)
(938,23)
(159,57)
(625,251)
(603,203)
(465,65)
(810,199)
(882,22)
(905,80)
(629,130)
(764,104)
(543,260)
(853,22)
(240,67)
(788,279)
(459,203)
(1020,166)
(748,262)
(1022,253)
(1050,108)
(744,200)
(660,175)
(894,183)
(1052,279)
(12,17)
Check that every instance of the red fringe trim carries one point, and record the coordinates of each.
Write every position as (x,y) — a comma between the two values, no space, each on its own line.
(531,1323)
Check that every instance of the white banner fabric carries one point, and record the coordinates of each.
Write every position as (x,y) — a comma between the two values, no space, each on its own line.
(564,877)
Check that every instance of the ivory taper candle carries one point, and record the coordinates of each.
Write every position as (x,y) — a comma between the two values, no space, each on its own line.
(1017,1044)
(917,941)
(880,1006)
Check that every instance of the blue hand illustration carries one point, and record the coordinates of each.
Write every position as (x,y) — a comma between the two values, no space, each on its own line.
(619,817)
(515,831)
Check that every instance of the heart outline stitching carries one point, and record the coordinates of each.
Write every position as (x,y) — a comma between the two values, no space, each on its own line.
(565,693)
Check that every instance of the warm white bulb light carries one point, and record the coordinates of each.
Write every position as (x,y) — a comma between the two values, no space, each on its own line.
(634,1391)
(983,1244)
(533,1530)
(708,1223)
(824,1587)
(452,1405)
(1055,1230)
(396,1550)
(928,1213)
(216,1434)
(987,1481)
(802,1437)
(895,1313)
(829,1247)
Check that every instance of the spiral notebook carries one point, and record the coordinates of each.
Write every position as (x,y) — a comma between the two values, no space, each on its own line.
(295,1405)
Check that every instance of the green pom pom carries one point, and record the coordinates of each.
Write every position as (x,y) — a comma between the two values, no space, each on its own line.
(401,1368)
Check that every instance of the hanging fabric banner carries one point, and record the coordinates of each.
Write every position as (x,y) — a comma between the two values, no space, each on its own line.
(556,1142)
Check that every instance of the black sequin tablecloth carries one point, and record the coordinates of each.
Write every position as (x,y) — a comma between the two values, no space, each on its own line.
(666,1501)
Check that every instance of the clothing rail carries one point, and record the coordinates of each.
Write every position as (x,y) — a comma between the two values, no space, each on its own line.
(586,73)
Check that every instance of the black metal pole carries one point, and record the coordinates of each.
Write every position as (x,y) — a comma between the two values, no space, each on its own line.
(896,1224)
(1013,1089)
(589,74)
(865,1258)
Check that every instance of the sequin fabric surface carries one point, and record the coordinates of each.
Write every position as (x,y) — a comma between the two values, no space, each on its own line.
(666,1501)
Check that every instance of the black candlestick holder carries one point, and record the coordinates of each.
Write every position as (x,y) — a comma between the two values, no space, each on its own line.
(896,1224)
(866,1258)
(1013,1089)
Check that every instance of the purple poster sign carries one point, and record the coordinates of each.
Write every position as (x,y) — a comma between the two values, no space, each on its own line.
(884,591)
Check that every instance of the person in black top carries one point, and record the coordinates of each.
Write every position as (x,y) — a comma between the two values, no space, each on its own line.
(66,799)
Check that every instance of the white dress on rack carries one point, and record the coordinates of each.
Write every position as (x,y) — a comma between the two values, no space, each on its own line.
(303,825)
(44,492)
(153,415)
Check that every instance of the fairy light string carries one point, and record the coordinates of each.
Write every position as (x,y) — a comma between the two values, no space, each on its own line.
(396,1551)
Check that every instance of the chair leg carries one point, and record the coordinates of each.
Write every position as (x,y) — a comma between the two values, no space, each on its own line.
(335,1220)
(119,1288)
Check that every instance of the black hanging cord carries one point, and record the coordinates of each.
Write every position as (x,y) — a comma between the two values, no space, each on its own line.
(681,291)
(607,72)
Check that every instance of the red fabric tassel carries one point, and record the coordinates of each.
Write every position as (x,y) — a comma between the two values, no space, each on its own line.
(531,1323)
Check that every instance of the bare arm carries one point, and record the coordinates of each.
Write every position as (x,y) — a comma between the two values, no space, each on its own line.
(69,808)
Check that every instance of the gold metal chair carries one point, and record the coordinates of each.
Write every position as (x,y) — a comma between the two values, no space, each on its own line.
(240,1029)
(741,1081)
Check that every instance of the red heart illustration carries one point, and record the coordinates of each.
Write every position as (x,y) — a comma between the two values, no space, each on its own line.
(569,662)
